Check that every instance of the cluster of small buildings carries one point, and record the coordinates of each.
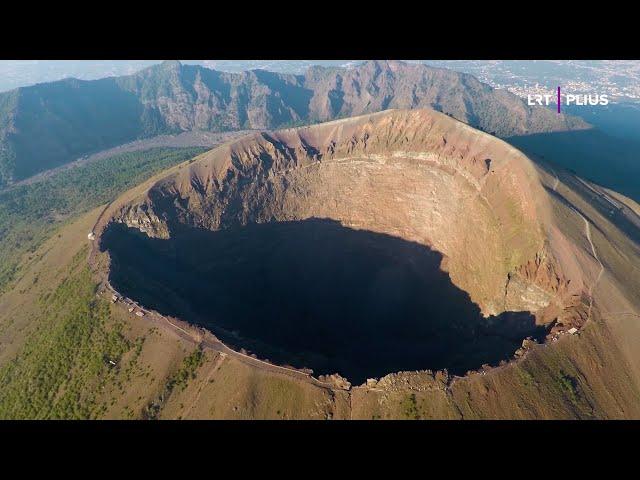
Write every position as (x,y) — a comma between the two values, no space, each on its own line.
(559,330)
(133,308)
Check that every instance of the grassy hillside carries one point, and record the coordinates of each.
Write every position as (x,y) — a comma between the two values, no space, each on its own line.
(591,154)
(57,339)
(30,213)
(64,364)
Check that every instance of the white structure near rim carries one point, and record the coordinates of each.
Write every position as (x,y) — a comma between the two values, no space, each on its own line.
(572,330)
(91,236)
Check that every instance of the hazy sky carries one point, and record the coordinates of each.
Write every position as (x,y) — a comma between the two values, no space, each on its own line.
(601,75)
(20,73)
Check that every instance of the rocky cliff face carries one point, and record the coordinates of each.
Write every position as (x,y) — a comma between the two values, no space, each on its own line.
(535,283)
(190,97)
(50,124)
(418,175)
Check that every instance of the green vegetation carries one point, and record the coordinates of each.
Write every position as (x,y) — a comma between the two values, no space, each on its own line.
(75,348)
(568,384)
(66,362)
(411,410)
(187,371)
(525,377)
(29,214)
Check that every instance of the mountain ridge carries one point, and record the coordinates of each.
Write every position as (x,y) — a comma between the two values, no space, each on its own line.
(49,124)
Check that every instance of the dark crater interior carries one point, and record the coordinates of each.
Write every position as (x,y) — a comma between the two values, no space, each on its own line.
(316,294)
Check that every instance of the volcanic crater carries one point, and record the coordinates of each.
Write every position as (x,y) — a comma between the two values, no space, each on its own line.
(403,240)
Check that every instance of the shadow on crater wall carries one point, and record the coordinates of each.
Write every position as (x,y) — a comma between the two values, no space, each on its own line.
(316,294)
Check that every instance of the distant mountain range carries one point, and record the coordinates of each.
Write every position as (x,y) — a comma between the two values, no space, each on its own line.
(47,125)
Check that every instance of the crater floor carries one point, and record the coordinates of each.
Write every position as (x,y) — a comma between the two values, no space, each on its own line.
(316,294)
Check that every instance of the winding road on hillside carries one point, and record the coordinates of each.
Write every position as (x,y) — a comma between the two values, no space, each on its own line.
(587,229)
(595,255)
(216,345)
(216,365)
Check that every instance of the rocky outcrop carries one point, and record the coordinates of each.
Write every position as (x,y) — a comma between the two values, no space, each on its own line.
(418,381)
(336,381)
(535,283)
(143,218)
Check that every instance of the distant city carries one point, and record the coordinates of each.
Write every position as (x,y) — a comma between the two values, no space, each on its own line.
(620,80)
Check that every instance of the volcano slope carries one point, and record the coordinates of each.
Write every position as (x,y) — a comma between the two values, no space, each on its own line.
(403,241)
